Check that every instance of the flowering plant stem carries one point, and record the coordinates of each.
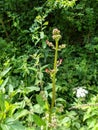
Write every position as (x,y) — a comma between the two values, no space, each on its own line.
(54,76)
(54,80)
(56,36)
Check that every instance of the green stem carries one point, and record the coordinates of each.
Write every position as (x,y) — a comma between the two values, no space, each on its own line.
(54,80)
(54,76)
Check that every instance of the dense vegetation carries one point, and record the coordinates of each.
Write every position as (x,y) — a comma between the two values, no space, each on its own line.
(28,71)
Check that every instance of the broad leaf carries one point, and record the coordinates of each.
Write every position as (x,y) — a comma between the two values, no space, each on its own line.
(12,124)
(40,100)
(38,120)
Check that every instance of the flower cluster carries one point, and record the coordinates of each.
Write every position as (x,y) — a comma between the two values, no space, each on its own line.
(56,34)
(50,44)
(59,62)
(54,122)
(81,92)
(62,46)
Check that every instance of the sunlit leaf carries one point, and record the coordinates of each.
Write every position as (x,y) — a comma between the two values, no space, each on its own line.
(42,35)
(2,101)
(20,114)
(37,109)
(14,124)
(4,83)
(4,72)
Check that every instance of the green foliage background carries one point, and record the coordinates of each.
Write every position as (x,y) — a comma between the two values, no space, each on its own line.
(25,25)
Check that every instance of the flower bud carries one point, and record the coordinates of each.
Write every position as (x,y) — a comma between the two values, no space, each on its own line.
(47,70)
(62,46)
(56,37)
(56,31)
(56,34)
(50,44)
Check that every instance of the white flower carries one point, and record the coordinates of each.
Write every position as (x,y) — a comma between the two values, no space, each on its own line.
(42,127)
(81,92)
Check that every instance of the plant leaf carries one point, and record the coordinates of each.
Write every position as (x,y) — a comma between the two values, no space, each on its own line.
(4,72)
(2,101)
(40,100)
(38,120)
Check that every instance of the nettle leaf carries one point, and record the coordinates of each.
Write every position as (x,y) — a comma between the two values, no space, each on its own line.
(37,109)
(42,35)
(66,119)
(40,100)
(31,89)
(38,120)
(3,73)
(4,127)
(20,114)
(5,82)
(12,124)
(91,123)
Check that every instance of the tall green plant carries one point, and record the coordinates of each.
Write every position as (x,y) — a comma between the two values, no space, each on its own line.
(56,36)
